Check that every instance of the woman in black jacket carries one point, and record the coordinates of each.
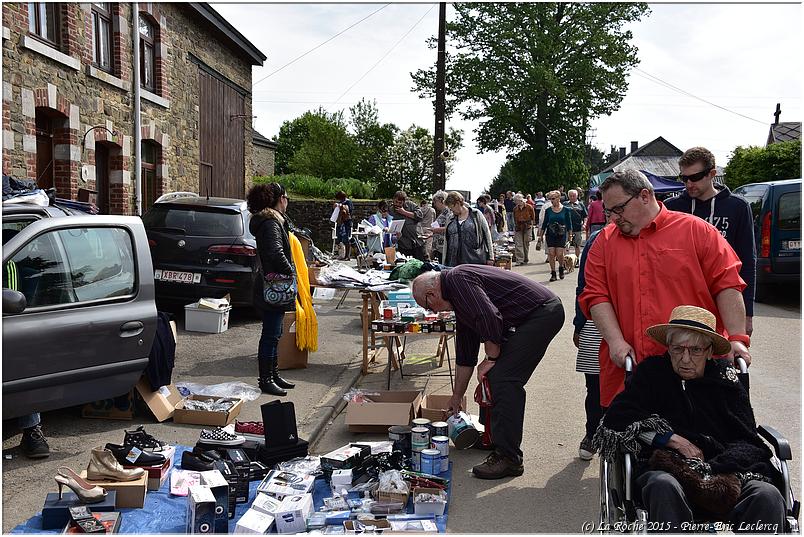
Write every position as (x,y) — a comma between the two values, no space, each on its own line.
(267,204)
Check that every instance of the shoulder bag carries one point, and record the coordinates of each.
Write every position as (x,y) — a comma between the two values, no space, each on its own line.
(279,290)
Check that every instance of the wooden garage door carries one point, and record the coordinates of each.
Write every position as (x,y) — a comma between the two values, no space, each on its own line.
(221,136)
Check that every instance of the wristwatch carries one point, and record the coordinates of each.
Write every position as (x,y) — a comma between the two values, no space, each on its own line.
(490,359)
(742,338)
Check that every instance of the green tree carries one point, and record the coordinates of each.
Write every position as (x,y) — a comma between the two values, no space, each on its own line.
(408,163)
(535,74)
(372,138)
(760,164)
(316,143)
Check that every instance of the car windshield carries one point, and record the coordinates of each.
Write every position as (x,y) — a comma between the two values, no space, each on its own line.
(194,221)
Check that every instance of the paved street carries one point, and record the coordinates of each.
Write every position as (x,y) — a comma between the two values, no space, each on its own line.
(557,493)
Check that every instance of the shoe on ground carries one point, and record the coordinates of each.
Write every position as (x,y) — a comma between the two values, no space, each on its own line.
(561,272)
(139,438)
(497,466)
(553,277)
(198,463)
(33,443)
(219,437)
(577,263)
(585,451)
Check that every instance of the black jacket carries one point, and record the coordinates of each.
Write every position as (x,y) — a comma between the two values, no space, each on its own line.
(270,228)
(732,216)
(713,412)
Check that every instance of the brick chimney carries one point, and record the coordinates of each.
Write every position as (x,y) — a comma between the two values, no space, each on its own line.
(634,146)
(622,152)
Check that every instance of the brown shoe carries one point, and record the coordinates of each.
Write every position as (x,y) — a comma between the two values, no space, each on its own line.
(497,466)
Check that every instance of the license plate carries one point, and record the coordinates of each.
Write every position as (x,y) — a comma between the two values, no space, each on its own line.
(794,245)
(177,276)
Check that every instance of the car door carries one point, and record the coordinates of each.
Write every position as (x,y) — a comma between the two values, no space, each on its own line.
(786,230)
(90,319)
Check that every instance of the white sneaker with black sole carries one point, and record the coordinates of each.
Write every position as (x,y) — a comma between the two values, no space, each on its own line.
(218,436)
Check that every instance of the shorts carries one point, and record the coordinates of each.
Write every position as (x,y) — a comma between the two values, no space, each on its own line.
(556,241)
(576,239)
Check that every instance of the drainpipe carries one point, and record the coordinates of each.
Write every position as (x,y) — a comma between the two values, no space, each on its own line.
(137,112)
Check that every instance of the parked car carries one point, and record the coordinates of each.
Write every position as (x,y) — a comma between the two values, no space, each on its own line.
(776,207)
(79,315)
(202,247)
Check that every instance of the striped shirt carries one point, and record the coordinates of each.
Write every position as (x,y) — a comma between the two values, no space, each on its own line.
(488,301)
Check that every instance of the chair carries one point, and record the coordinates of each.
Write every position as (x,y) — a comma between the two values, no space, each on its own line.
(622,512)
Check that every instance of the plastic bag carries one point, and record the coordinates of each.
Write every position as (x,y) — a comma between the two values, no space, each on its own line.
(310,465)
(239,390)
(359,396)
(392,481)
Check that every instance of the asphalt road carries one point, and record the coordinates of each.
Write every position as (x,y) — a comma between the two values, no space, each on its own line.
(558,492)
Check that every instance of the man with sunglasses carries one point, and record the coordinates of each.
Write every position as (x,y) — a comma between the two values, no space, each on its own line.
(731,215)
(647,263)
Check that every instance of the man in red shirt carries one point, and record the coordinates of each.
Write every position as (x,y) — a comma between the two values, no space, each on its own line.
(649,262)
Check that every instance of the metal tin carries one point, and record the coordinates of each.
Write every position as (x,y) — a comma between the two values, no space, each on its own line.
(416,461)
(388,313)
(439,428)
(421,436)
(376,326)
(421,422)
(401,437)
(430,461)
(387,327)
(441,443)
(461,431)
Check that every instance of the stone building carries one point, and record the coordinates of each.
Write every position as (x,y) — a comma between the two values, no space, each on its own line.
(69,100)
(264,155)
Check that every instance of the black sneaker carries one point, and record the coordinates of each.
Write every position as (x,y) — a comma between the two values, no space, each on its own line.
(561,272)
(33,444)
(553,277)
(133,456)
(220,437)
(585,450)
(139,438)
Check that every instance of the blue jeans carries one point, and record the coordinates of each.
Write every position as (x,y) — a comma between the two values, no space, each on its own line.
(269,340)
(343,232)
(31,420)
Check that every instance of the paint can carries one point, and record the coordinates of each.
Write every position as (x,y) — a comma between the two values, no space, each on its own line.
(439,428)
(388,314)
(461,431)
(400,435)
(416,461)
(441,443)
(430,461)
(421,422)
(421,437)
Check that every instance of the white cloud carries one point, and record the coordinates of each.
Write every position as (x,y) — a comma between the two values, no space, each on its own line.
(744,57)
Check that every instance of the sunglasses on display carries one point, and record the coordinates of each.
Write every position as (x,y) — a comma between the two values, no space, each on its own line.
(694,177)
(618,209)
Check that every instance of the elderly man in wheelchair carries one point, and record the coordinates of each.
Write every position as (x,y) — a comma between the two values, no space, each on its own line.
(684,430)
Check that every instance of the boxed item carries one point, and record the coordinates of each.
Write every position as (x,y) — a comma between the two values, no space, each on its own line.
(254,522)
(162,402)
(272,455)
(110,520)
(242,466)
(200,510)
(365,526)
(182,480)
(414,526)
(341,479)
(56,513)
(350,456)
(129,493)
(266,503)
(386,409)
(429,501)
(251,447)
(290,356)
(280,484)
(229,473)
(220,489)
(204,417)
(279,419)
(435,407)
(212,321)
(291,516)
(157,475)
(258,470)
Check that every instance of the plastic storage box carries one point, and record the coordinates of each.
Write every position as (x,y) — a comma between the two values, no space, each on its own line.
(206,320)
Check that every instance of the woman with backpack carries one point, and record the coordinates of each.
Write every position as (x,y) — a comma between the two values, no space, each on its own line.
(557,221)
(468,235)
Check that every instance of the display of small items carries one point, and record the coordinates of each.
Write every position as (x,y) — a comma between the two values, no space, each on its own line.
(412,321)
(424,444)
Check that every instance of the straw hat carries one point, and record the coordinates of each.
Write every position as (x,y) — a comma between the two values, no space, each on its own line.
(691,318)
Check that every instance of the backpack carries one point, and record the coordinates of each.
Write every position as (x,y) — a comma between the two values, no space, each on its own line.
(343,214)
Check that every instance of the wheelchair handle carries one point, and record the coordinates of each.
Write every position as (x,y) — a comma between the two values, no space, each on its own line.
(739,361)
(629,364)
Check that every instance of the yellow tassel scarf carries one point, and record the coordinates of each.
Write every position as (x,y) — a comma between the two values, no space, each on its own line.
(306,320)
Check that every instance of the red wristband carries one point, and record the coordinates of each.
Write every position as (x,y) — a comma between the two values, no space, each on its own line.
(742,338)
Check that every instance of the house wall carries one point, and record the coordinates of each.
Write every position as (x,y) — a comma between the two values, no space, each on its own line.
(79,97)
(264,160)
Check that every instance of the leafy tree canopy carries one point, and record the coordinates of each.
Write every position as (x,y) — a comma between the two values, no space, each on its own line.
(760,164)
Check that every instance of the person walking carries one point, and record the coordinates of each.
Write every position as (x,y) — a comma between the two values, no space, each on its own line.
(268,203)
(483,206)
(595,219)
(343,226)
(440,225)
(557,221)
(524,218)
(409,242)
(468,234)
(426,227)
(509,209)
(516,319)
(578,215)
(731,215)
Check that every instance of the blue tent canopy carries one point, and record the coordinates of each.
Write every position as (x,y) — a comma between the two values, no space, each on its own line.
(661,185)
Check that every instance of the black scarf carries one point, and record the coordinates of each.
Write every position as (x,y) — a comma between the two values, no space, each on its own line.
(713,412)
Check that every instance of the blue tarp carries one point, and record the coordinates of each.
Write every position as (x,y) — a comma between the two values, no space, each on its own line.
(660,184)
(163,513)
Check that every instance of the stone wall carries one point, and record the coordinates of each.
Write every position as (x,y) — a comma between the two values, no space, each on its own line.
(264,160)
(87,106)
(314,215)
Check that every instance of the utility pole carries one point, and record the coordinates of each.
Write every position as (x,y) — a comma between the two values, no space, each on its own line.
(439,158)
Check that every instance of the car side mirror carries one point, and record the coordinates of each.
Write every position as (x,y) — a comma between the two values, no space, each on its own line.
(13,301)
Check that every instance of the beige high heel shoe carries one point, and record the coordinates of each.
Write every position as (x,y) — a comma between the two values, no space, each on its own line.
(86,492)
(104,467)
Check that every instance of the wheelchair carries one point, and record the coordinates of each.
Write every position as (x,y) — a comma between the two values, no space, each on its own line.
(622,512)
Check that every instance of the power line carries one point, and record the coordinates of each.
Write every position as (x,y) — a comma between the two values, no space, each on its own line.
(385,55)
(658,80)
(297,58)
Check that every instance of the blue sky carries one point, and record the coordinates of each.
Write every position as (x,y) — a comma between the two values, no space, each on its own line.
(743,57)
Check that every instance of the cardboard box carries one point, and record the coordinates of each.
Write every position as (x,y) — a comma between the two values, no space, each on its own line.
(291,516)
(388,408)
(55,512)
(435,407)
(202,417)
(253,522)
(157,475)
(200,510)
(242,466)
(162,402)
(220,489)
(351,456)
(229,473)
(290,357)
(129,493)
(380,524)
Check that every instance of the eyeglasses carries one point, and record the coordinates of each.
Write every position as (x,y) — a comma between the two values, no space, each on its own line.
(618,209)
(286,197)
(694,177)
(695,352)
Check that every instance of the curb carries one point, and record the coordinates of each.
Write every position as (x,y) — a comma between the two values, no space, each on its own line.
(332,408)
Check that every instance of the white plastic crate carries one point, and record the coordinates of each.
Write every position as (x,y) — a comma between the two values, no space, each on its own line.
(206,320)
